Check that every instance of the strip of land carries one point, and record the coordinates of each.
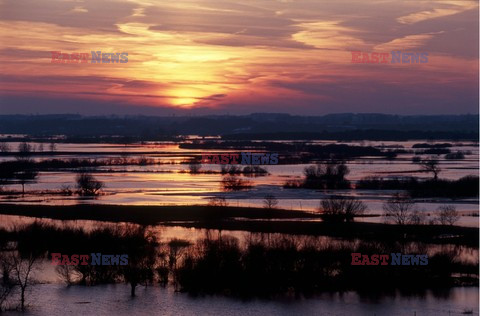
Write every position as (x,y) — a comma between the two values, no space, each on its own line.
(258,220)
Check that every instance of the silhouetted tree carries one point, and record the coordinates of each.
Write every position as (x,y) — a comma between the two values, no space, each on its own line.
(455,156)
(399,209)
(232,169)
(24,149)
(6,283)
(448,215)
(416,159)
(88,185)
(254,171)
(341,208)
(4,148)
(217,201)
(232,183)
(52,146)
(417,217)
(26,176)
(22,270)
(270,201)
(140,246)
(431,165)
(68,273)
(326,176)
(176,249)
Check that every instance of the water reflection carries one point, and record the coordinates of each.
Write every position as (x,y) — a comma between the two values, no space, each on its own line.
(168,183)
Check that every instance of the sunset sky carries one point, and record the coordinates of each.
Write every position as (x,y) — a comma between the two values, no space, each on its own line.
(237,57)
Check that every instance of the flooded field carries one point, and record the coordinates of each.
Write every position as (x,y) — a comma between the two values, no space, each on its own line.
(51,295)
(166,180)
(160,174)
(48,299)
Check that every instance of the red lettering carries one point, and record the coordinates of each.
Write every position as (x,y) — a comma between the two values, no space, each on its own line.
(355,57)
(205,158)
(74,260)
(84,57)
(365,260)
(65,58)
(384,57)
(375,260)
(224,160)
(56,258)
(56,57)
(84,259)
(215,159)
(65,260)
(234,158)
(384,259)
(365,58)
(355,257)
(75,58)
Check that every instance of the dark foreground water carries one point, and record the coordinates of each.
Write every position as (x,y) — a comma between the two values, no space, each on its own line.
(56,299)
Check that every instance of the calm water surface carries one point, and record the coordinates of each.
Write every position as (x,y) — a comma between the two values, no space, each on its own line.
(169,184)
(57,299)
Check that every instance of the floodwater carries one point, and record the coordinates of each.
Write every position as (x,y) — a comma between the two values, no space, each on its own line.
(169,183)
(51,297)
(57,299)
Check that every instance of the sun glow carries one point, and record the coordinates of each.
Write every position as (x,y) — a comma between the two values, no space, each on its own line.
(183,97)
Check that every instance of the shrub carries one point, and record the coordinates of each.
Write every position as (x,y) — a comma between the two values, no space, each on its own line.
(339,208)
(217,201)
(455,156)
(326,176)
(400,209)
(232,183)
(87,184)
(448,215)
(270,202)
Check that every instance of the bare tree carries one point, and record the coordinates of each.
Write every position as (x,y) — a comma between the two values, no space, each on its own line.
(416,159)
(341,208)
(232,183)
(431,165)
(88,185)
(68,273)
(140,245)
(232,169)
(6,283)
(270,201)
(399,209)
(26,176)
(24,151)
(417,217)
(24,148)
(53,146)
(4,148)
(22,270)
(217,201)
(448,215)
(176,249)
(329,175)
